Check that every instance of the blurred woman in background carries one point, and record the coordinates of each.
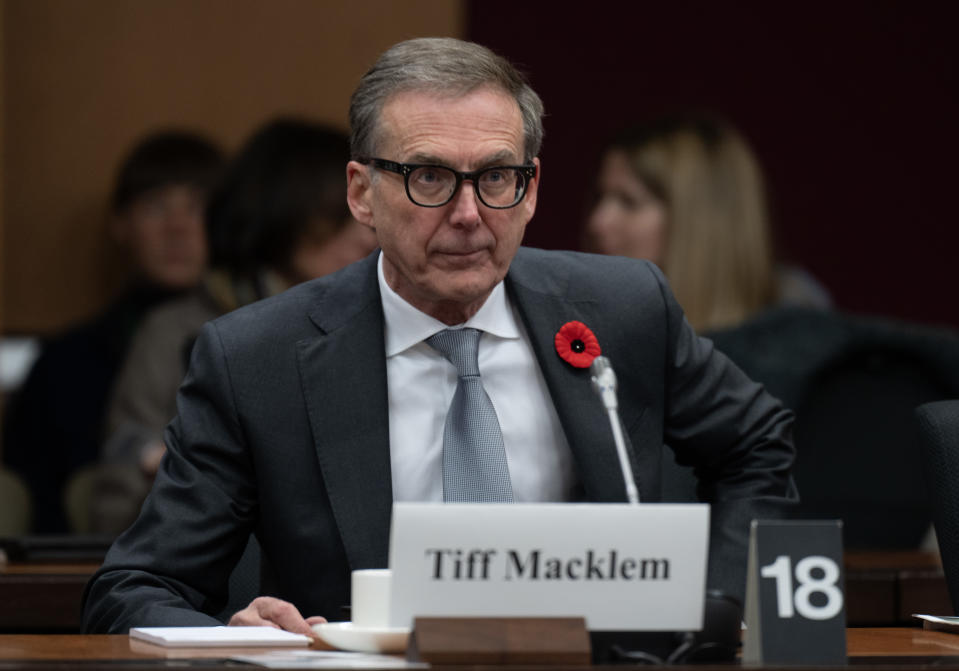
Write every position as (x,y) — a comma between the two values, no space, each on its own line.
(278,218)
(687,194)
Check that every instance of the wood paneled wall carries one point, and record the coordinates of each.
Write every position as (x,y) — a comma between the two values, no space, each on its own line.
(82,81)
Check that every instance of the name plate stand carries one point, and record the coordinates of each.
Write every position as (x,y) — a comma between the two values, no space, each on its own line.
(795,606)
(499,640)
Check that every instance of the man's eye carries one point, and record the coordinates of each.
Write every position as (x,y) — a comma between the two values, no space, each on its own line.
(430,177)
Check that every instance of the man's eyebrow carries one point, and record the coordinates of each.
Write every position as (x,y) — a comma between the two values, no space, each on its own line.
(499,158)
(503,157)
(428,159)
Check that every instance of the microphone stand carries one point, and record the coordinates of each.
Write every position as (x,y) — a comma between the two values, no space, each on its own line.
(604,382)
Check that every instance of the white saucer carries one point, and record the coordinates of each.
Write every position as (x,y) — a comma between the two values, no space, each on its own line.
(345,636)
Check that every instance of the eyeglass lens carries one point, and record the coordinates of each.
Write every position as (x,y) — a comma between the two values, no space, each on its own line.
(497,187)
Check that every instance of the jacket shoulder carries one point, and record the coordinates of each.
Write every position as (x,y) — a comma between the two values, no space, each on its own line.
(300,311)
(578,274)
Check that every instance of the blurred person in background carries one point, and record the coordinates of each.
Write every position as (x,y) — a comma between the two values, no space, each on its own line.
(279,218)
(687,193)
(54,423)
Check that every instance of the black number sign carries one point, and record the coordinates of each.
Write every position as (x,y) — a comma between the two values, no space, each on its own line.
(795,610)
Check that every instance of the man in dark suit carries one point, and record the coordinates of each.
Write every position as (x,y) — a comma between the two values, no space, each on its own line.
(305,416)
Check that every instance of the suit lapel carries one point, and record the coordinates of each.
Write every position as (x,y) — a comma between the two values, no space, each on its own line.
(545,305)
(343,377)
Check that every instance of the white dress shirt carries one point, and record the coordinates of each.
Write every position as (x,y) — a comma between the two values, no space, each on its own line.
(421,384)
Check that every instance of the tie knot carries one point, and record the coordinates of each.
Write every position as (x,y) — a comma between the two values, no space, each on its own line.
(460,347)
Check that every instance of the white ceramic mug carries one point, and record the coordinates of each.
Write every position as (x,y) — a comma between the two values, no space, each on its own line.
(370,604)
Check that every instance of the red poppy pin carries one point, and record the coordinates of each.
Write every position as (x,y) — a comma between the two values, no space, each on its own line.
(577,345)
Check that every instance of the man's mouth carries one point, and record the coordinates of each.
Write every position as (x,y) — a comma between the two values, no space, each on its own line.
(463,256)
(466,251)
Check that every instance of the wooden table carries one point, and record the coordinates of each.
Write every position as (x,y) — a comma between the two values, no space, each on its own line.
(42,597)
(882,589)
(870,648)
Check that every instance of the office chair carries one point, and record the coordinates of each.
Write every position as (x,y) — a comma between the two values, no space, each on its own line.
(939,439)
(857,458)
(853,383)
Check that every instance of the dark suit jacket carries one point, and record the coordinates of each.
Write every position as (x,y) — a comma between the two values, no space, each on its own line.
(282,430)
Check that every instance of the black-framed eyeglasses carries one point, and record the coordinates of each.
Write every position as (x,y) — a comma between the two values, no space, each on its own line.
(499,187)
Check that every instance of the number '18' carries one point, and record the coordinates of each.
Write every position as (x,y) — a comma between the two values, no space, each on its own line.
(790,602)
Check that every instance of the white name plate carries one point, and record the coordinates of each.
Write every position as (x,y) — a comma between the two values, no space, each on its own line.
(622,567)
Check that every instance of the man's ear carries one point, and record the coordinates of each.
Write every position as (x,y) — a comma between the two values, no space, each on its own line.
(359,192)
(529,200)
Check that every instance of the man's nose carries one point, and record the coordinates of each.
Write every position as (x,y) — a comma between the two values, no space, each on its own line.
(466,206)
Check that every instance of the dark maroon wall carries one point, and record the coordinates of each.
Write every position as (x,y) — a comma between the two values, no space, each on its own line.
(851,106)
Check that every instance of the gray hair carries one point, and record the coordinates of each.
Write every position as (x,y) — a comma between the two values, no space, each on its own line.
(438,65)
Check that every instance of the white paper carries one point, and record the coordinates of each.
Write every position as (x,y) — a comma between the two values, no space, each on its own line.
(209,637)
(322,659)
(939,619)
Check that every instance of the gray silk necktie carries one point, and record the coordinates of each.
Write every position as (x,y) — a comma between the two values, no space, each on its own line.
(474,457)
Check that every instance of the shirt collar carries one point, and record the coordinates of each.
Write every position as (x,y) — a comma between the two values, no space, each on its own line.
(407,326)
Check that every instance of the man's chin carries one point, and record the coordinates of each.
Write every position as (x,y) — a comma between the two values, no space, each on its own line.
(458,289)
